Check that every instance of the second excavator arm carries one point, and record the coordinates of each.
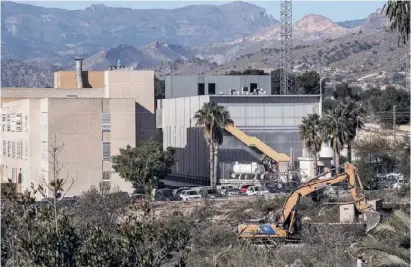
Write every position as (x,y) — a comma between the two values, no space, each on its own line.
(288,213)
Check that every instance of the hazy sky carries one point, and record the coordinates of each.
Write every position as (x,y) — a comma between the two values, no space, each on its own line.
(334,10)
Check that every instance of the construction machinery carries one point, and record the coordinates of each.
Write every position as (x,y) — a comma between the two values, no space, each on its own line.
(287,226)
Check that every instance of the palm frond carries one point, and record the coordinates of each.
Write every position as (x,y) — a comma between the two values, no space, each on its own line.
(391,261)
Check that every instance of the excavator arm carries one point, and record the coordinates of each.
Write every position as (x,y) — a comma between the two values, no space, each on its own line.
(286,225)
(287,216)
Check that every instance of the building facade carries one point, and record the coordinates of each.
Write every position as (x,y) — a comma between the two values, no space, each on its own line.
(91,124)
(273,119)
(183,86)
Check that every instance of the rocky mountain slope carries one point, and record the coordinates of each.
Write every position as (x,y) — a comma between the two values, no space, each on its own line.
(352,55)
(346,52)
(31,31)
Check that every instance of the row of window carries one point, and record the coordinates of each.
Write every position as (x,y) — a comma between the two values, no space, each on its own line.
(13,122)
(14,149)
(106,127)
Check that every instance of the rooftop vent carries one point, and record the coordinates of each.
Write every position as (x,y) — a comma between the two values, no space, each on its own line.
(79,72)
(72,96)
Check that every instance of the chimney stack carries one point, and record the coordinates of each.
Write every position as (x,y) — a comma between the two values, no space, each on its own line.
(79,72)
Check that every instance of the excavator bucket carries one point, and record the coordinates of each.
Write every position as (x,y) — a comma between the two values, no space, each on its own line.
(371,219)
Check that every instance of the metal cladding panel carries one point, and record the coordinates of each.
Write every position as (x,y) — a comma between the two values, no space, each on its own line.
(180,110)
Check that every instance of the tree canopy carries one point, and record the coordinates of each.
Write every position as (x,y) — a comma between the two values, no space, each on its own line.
(144,165)
(398,12)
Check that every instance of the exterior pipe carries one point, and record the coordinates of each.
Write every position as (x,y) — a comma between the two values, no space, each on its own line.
(79,71)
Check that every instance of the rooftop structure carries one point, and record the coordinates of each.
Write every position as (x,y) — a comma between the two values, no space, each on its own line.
(183,86)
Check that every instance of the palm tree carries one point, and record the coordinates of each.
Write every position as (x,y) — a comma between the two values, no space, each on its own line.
(390,242)
(398,12)
(309,131)
(353,115)
(213,118)
(336,126)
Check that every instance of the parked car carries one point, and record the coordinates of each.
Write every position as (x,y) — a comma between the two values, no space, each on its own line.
(119,197)
(256,191)
(189,195)
(138,198)
(401,182)
(69,201)
(244,188)
(178,191)
(233,192)
(165,195)
(210,193)
(223,188)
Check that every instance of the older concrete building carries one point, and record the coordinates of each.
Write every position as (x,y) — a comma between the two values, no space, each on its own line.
(273,119)
(183,86)
(93,124)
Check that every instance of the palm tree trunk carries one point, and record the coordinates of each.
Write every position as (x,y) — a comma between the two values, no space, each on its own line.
(337,162)
(216,173)
(315,164)
(349,151)
(212,165)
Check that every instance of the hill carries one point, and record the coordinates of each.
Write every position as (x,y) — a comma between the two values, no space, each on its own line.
(31,31)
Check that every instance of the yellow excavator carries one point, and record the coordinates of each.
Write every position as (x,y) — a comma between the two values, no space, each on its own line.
(285,228)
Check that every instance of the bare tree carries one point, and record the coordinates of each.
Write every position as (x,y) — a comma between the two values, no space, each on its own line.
(57,182)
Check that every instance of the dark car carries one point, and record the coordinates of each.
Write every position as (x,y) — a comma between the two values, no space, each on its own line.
(165,195)
(119,197)
(210,193)
(69,202)
(138,198)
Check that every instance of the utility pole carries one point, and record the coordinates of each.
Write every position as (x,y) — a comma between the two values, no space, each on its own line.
(393,124)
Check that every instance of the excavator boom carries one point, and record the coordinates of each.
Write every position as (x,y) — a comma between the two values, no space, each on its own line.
(286,225)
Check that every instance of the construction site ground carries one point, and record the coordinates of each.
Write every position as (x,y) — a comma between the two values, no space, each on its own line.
(237,209)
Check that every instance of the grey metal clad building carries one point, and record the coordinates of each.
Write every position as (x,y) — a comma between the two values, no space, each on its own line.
(274,119)
(183,86)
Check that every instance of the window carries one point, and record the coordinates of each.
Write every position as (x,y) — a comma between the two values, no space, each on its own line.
(106,151)
(106,121)
(201,89)
(245,89)
(253,86)
(18,122)
(19,144)
(13,149)
(3,122)
(4,148)
(8,122)
(8,149)
(211,88)
(106,175)
(13,122)
(44,118)
(20,177)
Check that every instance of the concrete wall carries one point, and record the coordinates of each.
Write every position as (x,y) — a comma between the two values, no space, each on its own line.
(182,86)
(138,85)
(67,79)
(273,119)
